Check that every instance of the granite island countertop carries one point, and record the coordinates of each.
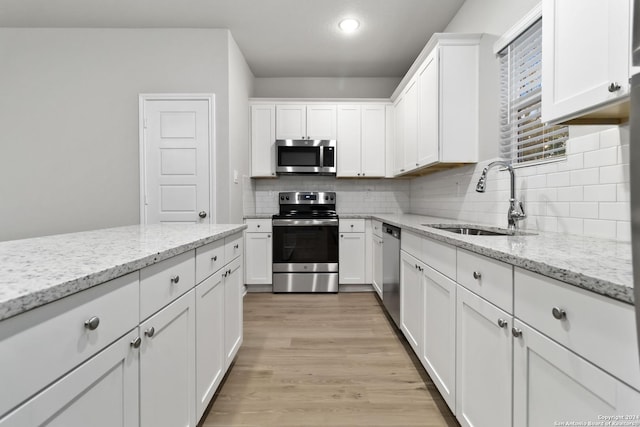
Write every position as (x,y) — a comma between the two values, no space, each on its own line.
(36,271)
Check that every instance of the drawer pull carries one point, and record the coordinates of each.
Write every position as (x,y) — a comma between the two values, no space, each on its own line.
(136,343)
(236,246)
(516,332)
(558,313)
(258,225)
(614,87)
(502,323)
(175,279)
(92,324)
(477,275)
(214,258)
(150,332)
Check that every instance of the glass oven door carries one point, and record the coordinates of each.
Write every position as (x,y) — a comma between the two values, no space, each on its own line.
(304,248)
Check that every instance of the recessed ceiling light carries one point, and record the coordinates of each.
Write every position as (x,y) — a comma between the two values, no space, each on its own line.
(349,25)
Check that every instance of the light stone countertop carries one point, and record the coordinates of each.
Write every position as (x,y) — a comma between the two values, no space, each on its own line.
(599,265)
(36,271)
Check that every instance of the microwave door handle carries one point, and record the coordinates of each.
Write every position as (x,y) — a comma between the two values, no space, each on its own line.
(321,148)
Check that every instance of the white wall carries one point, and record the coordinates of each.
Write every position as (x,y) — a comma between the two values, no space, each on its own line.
(69,119)
(240,88)
(325,87)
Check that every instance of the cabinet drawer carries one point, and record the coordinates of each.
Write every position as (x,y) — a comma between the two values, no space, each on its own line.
(233,247)
(376,226)
(491,279)
(598,328)
(38,346)
(439,256)
(351,226)
(165,281)
(258,225)
(209,259)
(411,243)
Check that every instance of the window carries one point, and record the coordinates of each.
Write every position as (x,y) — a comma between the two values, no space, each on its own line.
(524,139)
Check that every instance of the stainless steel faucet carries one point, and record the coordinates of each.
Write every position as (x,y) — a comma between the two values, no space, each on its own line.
(516,210)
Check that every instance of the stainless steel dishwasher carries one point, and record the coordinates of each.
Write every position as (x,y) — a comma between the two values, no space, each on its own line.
(391,271)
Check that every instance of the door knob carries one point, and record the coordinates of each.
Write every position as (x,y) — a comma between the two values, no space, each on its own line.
(202,214)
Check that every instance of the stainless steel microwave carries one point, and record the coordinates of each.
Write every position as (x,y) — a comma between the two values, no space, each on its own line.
(306,156)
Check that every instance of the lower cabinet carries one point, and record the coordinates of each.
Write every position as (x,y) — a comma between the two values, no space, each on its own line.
(351,258)
(210,355)
(551,384)
(259,258)
(411,300)
(233,294)
(101,392)
(483,362)
(167,365)
(377,264)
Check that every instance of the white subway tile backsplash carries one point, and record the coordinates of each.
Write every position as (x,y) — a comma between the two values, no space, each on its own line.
(559,179)
(623,154)
(585,176)
(583,143)
(600,193)
(619,211)
(584,210)
(610,138)
(623,231)
(623,192)
(571,225)
(600,228)
(572,162)
(571,194)
(614,174)
(603,157)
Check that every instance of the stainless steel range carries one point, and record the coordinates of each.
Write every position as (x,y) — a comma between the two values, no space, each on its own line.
(305,243)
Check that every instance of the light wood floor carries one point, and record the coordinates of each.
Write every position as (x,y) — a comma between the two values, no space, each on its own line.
(324,360)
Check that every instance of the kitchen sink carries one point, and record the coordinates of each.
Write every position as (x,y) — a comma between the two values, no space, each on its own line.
(478,230)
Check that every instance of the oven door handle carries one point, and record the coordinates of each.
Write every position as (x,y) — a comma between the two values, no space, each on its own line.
(304,222)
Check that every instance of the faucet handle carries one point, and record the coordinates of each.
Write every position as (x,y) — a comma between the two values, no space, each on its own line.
(523,213)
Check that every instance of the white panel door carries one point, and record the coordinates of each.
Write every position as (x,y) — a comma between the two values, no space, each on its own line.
(263,140)
(411,301)
(176,161)
(349,137)
(373,140)
(483,362)
(291,122)
(233,304)
(352,258)
(167,366)
(410,148)
(429,118)
(552,384)
(258,253)
(398,149)
(321,121)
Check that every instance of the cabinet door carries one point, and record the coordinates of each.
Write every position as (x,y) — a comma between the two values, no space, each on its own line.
(410,147)
(373,140)
(439,345)
(233,290)
(321,122)
(258,253)
(167,366)
(429,117)
(553,384)
(210,358)
(351,258)
(263,138)
(411,301)
(349,137)
(291,122)
(377,264)
(483,362)
(583,54)
(398,158)
(102,392)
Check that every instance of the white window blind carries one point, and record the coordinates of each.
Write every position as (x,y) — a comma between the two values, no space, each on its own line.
(524,139)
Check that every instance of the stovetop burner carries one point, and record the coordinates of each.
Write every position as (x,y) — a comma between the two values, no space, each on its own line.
(307,205)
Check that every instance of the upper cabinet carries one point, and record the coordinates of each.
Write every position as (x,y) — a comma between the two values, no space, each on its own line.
(437,109)
(361,140)
(585,60)
(305,121)
(263,139)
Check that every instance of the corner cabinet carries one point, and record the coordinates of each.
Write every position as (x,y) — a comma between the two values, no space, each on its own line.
(437,109)
(585,59)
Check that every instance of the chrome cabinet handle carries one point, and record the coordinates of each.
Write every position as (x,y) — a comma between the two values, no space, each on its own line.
(516,332)
(92,323)
(614,87)
(258,225)
(351,225)
(268,236)
(214,258)
(175,279)
(236,246)
(502,323)
(558,313)
(202,214)
(477,275)
(136,343)
(150,332)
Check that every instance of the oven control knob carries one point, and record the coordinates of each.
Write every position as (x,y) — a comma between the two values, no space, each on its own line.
(287,197)
(281,197)
(326,197)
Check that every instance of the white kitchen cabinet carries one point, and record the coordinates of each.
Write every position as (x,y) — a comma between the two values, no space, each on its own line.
(263,138)
(352,252)
(258,253)
(585,57)
(438,352)
(317,121)
(233,294)
(167,366)
(102,392)
(483,362)
(552,384)
(210,356)
(429,102)
(399,127)
(377,264)
(361,137)
(411,300)
(410,135)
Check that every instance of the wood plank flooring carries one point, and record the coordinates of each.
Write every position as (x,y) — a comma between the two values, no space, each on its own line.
(324,360)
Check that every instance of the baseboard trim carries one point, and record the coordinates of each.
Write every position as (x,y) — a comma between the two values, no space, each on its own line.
(356,288)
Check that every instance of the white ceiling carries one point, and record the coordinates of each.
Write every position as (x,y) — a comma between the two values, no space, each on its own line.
(279,38)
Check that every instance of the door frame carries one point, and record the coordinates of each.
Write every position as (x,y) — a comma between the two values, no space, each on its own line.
(210,98)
